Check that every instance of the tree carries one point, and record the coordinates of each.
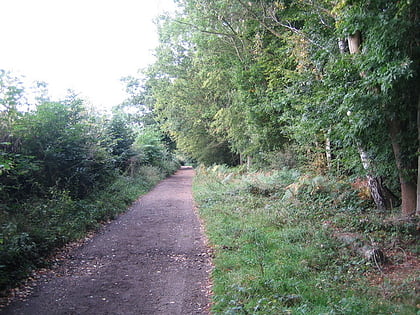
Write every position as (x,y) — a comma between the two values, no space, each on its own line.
(121,138)
(185,102)
(66,142)
(389,70)
(13,164)
(255,75)
(137,108)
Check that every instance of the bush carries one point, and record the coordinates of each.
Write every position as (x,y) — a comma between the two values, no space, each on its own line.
(63,171)
(29,231)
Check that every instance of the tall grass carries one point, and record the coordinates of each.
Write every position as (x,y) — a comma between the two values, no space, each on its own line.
(274,254)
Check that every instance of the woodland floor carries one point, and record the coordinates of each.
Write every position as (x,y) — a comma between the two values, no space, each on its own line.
(151,260)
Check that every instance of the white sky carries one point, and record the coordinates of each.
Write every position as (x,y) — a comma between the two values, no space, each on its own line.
(84,45)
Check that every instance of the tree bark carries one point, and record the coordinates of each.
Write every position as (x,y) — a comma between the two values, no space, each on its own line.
(408,187)
(328,154)
(368,250)
(248,162)
(377,190)
(355,41)
(379,193)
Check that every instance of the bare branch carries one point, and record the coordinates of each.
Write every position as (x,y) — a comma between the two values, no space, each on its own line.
(230,36)
(205,31)
(286,25)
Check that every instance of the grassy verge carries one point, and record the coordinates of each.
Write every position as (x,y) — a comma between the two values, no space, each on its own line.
(275,252)
(31,230)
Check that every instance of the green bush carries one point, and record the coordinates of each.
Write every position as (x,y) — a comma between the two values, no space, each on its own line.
(63,171)
(31,230)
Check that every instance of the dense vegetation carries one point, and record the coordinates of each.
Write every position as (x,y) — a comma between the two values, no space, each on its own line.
(64,169)
(324,92)
(333,82)
(277,244)
(321,95)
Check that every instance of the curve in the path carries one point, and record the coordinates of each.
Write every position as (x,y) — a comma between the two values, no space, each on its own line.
(151,260)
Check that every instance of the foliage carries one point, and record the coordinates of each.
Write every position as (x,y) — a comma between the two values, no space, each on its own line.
(32,229)
(65,140)
(149,144)
(137,107)
(64,170)
(152,150)
(121,138)
(250,78)
(275,253)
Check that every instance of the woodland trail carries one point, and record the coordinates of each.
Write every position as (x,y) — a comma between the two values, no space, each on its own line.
(151,260)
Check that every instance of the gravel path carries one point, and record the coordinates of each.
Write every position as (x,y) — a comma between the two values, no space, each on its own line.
(151,260)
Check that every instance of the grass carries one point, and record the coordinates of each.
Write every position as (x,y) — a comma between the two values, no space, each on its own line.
(31,230)
(277,255)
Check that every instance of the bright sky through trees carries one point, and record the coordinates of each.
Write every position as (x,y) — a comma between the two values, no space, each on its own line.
(84,45)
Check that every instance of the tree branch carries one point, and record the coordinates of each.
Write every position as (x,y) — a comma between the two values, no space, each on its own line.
(230,36)
(205,31)
(288,26)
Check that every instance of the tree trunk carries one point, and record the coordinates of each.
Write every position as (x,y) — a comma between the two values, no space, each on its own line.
(408,187)
(328,153)
(368,250)
(377,190)
(379,193)
(248,162)
(355,41)
(343,45)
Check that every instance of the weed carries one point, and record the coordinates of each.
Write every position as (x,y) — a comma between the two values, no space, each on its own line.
(276,255)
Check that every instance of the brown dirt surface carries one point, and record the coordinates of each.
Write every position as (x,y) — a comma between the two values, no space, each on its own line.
(151,260)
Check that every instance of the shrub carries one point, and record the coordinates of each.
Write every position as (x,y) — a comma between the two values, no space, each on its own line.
(29,231)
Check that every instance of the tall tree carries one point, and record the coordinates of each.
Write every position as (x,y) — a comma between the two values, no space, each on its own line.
(389,67)
(249,76)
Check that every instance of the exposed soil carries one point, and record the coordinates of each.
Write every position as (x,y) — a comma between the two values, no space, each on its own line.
(151,260)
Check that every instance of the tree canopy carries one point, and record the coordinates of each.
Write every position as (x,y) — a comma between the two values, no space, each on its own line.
(336,80)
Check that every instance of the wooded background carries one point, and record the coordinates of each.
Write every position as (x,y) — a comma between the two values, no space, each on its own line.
(336,83)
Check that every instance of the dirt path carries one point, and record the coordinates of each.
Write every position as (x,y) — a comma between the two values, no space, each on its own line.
(151,260)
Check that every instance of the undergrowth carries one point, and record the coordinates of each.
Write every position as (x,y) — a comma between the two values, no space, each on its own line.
(29,231)
(272,236)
